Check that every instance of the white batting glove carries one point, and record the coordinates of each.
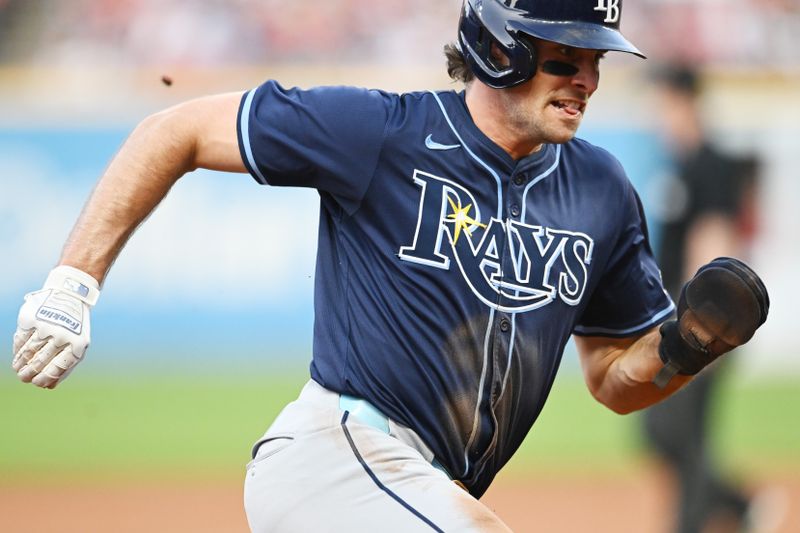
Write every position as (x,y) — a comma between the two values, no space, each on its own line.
(53,329)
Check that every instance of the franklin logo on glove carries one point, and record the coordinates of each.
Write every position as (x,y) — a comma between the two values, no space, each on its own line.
(53,329)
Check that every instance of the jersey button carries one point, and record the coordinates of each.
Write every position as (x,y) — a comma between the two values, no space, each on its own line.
(514,210)
(519,180)
(505,325)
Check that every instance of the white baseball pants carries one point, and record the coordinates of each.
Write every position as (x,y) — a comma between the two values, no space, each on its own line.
(320,469)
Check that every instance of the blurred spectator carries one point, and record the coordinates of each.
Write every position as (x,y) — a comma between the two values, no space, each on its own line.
(756,33)
(221,32)
(224,32)
(706,202)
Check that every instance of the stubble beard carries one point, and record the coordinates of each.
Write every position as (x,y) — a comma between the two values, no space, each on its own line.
(529,122)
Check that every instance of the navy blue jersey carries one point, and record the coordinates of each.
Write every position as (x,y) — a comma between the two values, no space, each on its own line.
(449,275)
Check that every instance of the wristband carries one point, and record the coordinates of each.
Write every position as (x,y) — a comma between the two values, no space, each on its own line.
(75,282)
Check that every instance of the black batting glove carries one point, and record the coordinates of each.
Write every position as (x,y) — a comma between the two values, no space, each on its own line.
(719,309)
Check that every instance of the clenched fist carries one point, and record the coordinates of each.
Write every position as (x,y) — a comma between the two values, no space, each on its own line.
(53,328)
(720,308)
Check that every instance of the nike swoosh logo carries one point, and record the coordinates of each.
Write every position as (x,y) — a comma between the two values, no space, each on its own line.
(433,145)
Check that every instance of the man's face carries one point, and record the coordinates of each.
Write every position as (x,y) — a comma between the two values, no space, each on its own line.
(550,107)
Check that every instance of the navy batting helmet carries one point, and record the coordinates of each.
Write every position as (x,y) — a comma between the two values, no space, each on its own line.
(592,24)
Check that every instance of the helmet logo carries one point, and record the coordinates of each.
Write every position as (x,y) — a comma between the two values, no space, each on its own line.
(611,7)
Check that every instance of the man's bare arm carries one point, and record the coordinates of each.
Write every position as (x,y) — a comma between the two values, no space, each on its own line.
(620,372)
(720,308)
(197,134)
(53,326)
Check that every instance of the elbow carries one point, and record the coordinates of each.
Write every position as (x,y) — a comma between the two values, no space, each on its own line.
(623,403)
(615,395)
(622,409)
(615,403)
(171,130)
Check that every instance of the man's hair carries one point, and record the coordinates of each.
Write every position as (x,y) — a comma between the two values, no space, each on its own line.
(457,67)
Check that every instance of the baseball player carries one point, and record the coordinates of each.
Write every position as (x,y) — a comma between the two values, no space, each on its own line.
(464,237)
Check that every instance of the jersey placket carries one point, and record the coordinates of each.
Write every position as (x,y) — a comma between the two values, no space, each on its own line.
(514,198)
(507,321)
(501,340)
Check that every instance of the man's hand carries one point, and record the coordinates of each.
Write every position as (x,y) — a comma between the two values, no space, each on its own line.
(53,328)
(719,309)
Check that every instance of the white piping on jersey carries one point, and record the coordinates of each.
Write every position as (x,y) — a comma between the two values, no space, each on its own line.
(539,178)
(473,156)
(476,420)
(245,125)
(533,182)
(598,330)
(510,354)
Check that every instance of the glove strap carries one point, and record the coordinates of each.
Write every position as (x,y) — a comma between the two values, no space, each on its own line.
(75,282)
(665,375)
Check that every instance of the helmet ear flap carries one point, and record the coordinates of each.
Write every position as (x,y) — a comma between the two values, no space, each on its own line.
(476,44)
(493,49)
(528,60)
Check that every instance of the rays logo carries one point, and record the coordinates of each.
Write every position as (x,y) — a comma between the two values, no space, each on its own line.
(541,263)
(612,9)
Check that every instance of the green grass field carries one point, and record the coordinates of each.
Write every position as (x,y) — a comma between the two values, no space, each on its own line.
(117,426)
